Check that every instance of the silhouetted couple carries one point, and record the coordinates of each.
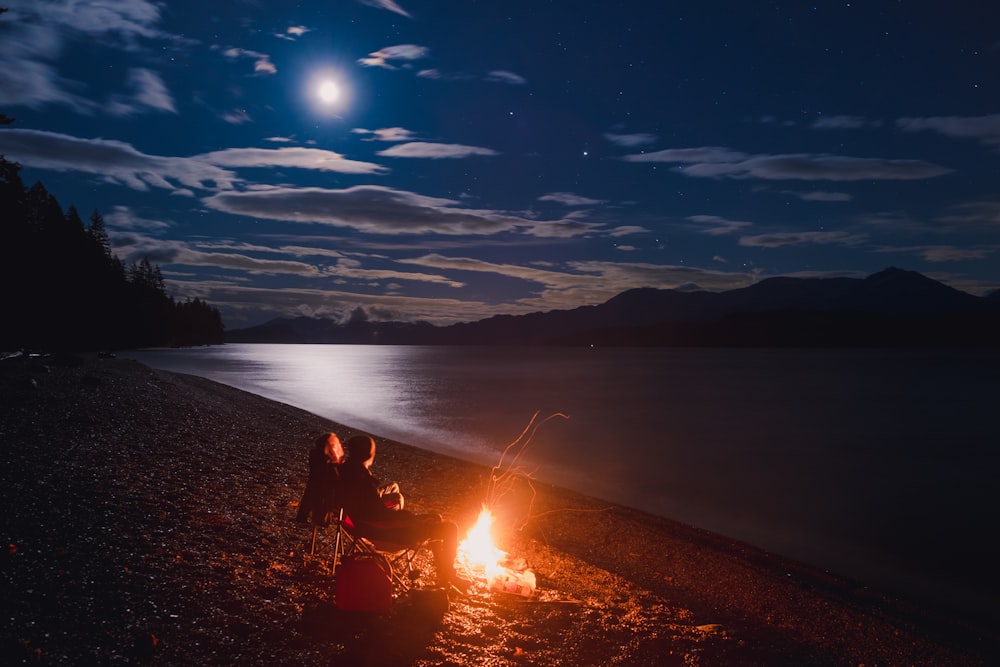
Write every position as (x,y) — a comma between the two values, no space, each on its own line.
(376,512)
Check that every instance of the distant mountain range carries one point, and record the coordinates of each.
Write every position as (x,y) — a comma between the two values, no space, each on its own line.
(892,308)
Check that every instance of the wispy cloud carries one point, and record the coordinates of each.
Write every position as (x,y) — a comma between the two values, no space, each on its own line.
(111,160)
(894,222)
(495,76)
(289,250)
(570,199)
(124,218)
(262,61)
(844,123)
(353,269)
(381,210)
(984,128)
(724,163)
(264,66)
(971,217)
(147,92)
(709,154)
(33,84)
(296,157)
(119,162)
(389,5)
(122,19)
(236,256)
(714,225)
(402,56)
(631,140)
(237,117)
(470,264)
(236,262)
(293,32)
(368,208)
(32,39)
(390,134)
(819,195)
(401,53)
(424,149)
(627,230)
(150,90)
(503,76)
(132,246)
(945,253)
(778,240)
(438,75)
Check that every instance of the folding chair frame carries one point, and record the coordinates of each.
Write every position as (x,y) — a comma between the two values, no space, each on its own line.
(399,559)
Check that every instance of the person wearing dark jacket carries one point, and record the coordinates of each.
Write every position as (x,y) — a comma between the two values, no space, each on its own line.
(319,500)
(372,518)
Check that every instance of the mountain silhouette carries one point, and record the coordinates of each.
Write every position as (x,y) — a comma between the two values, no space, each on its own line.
(887,309)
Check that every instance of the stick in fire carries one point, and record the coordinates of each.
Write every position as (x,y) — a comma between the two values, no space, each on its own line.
(478,548)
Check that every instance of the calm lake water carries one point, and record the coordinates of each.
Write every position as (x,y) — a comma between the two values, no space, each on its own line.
(877,464)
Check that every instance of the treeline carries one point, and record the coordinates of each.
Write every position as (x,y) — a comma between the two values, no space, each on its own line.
(66,291)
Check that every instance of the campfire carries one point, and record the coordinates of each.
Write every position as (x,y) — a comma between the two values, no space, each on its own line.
(478,552)
(484,560)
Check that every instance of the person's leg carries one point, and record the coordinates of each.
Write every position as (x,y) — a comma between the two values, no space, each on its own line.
(445,546)
(409,529)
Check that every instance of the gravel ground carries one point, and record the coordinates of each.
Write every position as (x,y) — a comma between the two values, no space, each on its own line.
(149,520)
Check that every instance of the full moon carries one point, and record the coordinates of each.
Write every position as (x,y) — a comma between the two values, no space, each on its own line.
(328,91)
(325,89)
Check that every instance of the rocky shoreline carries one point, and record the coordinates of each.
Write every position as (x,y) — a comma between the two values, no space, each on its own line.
(149,520)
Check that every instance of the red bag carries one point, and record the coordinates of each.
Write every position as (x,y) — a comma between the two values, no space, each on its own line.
(364,584)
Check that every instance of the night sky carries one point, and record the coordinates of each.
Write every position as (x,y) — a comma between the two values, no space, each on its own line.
(450,160)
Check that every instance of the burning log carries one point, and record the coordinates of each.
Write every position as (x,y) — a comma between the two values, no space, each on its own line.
(481,556)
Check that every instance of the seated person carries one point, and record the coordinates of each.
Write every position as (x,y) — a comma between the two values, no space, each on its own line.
(319,500)
(372,518)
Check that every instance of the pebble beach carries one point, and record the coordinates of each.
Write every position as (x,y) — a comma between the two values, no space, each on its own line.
(149,519)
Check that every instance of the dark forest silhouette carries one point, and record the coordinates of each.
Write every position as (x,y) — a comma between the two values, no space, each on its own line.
(67,291)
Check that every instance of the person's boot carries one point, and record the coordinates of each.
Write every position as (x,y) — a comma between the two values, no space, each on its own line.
(451,579)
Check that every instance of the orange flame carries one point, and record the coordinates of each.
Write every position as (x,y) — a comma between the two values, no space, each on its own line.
(478,550)
(483,558)
(478,553)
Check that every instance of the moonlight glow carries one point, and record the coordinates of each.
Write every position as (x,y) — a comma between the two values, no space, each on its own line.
(328,91)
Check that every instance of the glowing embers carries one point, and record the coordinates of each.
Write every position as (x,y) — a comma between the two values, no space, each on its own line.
(482,558)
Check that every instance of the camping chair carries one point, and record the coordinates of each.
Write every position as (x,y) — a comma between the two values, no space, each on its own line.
(342,540)
(399,557)
(349,540)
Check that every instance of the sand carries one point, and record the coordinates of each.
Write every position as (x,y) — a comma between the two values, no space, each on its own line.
(149,520)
